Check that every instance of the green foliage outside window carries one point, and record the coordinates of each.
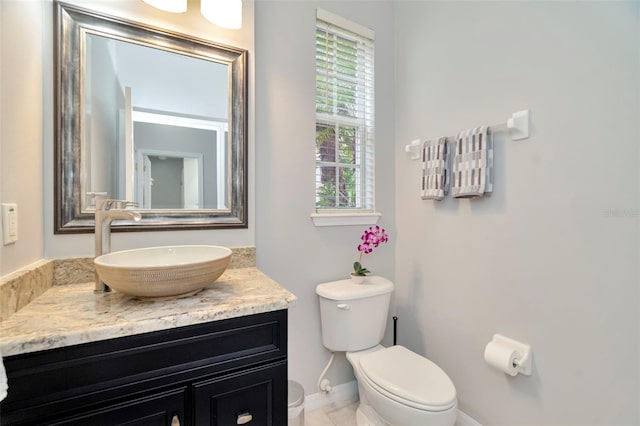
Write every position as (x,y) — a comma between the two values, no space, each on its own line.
(337,179)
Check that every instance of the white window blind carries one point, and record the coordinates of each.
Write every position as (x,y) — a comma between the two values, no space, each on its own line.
(344,115)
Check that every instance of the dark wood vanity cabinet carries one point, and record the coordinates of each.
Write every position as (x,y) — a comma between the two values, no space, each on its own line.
(226,372)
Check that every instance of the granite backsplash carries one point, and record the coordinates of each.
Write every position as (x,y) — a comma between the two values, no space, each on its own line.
(21,287)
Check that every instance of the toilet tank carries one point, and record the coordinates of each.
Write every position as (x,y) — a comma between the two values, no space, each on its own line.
(354,316)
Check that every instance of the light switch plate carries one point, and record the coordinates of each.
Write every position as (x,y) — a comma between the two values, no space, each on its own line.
(9,223)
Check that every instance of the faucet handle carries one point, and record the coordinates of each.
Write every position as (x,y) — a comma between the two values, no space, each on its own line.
(115,204)
(92,198)
(103,203)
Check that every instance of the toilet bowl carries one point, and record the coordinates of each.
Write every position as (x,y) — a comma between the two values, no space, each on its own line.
(397,387)
(400,387)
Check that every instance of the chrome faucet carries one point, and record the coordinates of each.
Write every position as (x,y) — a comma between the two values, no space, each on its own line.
(106,212)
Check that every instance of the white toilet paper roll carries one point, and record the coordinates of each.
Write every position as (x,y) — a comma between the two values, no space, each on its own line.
(502,357)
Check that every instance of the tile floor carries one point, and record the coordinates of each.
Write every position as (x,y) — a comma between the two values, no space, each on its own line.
(341,413)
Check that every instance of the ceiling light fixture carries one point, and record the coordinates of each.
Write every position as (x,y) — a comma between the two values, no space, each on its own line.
(223,13)
(175,6)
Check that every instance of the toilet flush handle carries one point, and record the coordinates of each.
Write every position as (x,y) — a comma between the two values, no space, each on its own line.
(344,306)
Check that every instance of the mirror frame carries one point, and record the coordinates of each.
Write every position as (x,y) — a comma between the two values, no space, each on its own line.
(70,23)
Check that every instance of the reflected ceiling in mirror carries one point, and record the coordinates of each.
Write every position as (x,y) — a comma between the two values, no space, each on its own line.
(149,116)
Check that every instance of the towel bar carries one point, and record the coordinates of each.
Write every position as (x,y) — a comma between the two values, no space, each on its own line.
(518,124)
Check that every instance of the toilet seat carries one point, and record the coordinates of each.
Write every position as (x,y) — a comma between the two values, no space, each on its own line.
(408,378)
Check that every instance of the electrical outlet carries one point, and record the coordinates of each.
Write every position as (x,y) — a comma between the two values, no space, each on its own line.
(9,223)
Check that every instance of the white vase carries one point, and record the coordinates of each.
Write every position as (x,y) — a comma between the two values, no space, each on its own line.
(358,279)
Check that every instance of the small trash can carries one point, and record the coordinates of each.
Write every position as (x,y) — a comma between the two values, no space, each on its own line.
(296,404)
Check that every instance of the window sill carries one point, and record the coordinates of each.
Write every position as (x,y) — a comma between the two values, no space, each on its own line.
(344,219)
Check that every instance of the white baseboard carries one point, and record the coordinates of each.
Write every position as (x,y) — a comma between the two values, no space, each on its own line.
(338,393)
(463,419)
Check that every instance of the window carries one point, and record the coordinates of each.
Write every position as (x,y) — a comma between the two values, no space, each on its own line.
(344,116)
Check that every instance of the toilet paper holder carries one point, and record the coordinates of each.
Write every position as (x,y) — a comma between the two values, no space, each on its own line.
(523,361)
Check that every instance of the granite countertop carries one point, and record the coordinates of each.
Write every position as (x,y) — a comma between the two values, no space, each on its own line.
(72,314)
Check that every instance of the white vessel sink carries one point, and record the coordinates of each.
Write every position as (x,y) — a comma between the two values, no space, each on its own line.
(163,272)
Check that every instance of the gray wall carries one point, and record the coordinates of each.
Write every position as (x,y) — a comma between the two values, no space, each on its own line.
(289,247)
(22,82)
(551,258)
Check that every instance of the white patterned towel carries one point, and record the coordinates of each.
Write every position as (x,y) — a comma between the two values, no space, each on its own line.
(473,164)
(435,169)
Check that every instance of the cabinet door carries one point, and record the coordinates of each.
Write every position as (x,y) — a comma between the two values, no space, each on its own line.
(252,397)
(160,409)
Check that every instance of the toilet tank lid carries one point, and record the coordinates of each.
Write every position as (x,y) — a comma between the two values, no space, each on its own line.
(348,290)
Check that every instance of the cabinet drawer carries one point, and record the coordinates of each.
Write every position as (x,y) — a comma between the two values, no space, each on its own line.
(161,409)
(254,397)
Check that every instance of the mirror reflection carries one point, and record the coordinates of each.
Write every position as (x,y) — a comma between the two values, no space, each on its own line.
(166,147)
(149,116)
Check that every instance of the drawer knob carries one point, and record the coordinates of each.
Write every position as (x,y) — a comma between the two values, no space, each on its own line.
(175,421)
(244,418)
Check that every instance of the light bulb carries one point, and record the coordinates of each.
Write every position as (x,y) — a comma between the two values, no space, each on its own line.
(223,13)
(175,6)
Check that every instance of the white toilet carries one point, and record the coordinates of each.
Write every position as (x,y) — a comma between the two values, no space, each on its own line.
(397,387)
